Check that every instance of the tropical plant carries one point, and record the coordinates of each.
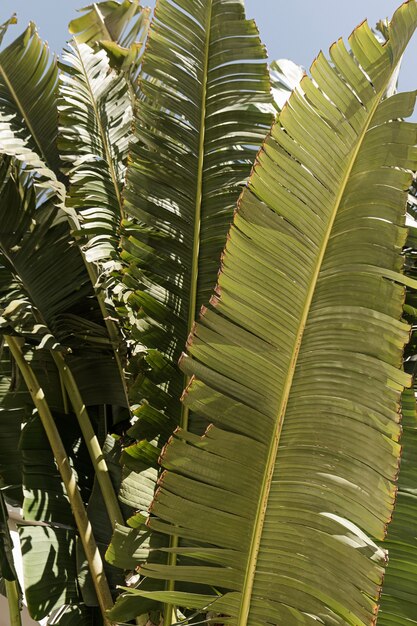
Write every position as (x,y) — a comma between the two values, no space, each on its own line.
(120,170)
(70,349)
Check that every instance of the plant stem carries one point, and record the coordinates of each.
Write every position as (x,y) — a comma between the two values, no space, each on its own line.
(13,601)
(90,438)
(80,515)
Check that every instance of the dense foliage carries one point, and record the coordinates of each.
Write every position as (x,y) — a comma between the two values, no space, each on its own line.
(263,493)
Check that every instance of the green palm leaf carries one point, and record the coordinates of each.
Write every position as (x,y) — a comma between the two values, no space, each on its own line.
(39,300)
(28,76)
(297,362)
(204,109)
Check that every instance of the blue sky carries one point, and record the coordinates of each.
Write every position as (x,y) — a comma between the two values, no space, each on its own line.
(291,29)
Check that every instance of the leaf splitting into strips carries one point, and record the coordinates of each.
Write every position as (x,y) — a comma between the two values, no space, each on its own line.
(298,365)
(120,22)
(39,301)
(5,26)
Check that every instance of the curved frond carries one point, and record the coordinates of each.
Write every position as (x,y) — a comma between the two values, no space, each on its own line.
(38,298)
(297,363)
(5,26)
(204,109)
(28,86)
(118,28)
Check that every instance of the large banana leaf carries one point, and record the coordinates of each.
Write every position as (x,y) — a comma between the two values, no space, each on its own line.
(39,300)
(297,362)
(204,109)
(200,120)
(48,299)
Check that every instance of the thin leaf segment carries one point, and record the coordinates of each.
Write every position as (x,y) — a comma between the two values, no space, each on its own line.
(297,362)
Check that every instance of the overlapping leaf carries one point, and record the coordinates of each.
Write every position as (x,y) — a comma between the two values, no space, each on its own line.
(49,568)
(285,76)
(204,109)
(297,362)
(399,600)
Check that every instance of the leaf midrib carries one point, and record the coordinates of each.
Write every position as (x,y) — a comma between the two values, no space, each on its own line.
(198,201)
(172,559)
(275,440)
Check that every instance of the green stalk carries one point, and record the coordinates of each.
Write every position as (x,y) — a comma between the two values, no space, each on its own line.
(90,438)
(80,515)
(13,602)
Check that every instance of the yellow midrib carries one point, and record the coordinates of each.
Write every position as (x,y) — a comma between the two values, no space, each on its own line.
(273,450)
